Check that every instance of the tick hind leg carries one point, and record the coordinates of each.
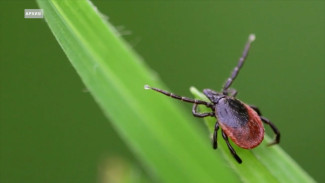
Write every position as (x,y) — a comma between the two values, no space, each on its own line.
(274,128)
(232,150)
(268,122)
(256,109)
(200,115)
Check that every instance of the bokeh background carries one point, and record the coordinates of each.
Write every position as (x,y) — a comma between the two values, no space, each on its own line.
(51,130)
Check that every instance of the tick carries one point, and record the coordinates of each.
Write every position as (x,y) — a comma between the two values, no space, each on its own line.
(241,122)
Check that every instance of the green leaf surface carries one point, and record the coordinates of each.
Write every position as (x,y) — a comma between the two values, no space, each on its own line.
(263,163)
(156,129)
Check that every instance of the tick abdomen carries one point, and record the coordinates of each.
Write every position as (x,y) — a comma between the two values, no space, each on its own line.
(240,122)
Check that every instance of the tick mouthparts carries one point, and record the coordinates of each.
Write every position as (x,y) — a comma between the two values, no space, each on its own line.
(147,87)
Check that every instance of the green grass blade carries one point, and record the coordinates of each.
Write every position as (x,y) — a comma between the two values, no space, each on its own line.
(262,164)
(162,136)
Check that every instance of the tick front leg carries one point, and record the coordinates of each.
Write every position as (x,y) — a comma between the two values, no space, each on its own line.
(201,115)
(185,99)
(232,150)
(215,136)
(232,92)
(274,128)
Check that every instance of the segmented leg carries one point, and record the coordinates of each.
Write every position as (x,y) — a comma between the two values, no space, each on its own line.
(256,109)
(232,92)
(274,128)
(185,99)
(215,136)
(201,115)
(241,61)
(232,150)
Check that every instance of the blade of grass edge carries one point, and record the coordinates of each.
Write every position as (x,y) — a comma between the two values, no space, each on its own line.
(169,146)
(262,164)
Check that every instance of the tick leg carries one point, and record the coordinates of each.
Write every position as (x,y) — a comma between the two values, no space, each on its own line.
(256,109)
(201,115)
(215,135)
(232,92)
(234,73)
(275,130)
(185,99)
(232,150)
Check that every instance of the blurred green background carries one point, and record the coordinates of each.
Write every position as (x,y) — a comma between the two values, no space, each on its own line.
(51,130)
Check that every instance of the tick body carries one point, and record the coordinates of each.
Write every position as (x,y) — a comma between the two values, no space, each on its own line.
(241,122)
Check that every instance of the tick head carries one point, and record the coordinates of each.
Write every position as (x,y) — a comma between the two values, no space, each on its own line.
(212,95)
